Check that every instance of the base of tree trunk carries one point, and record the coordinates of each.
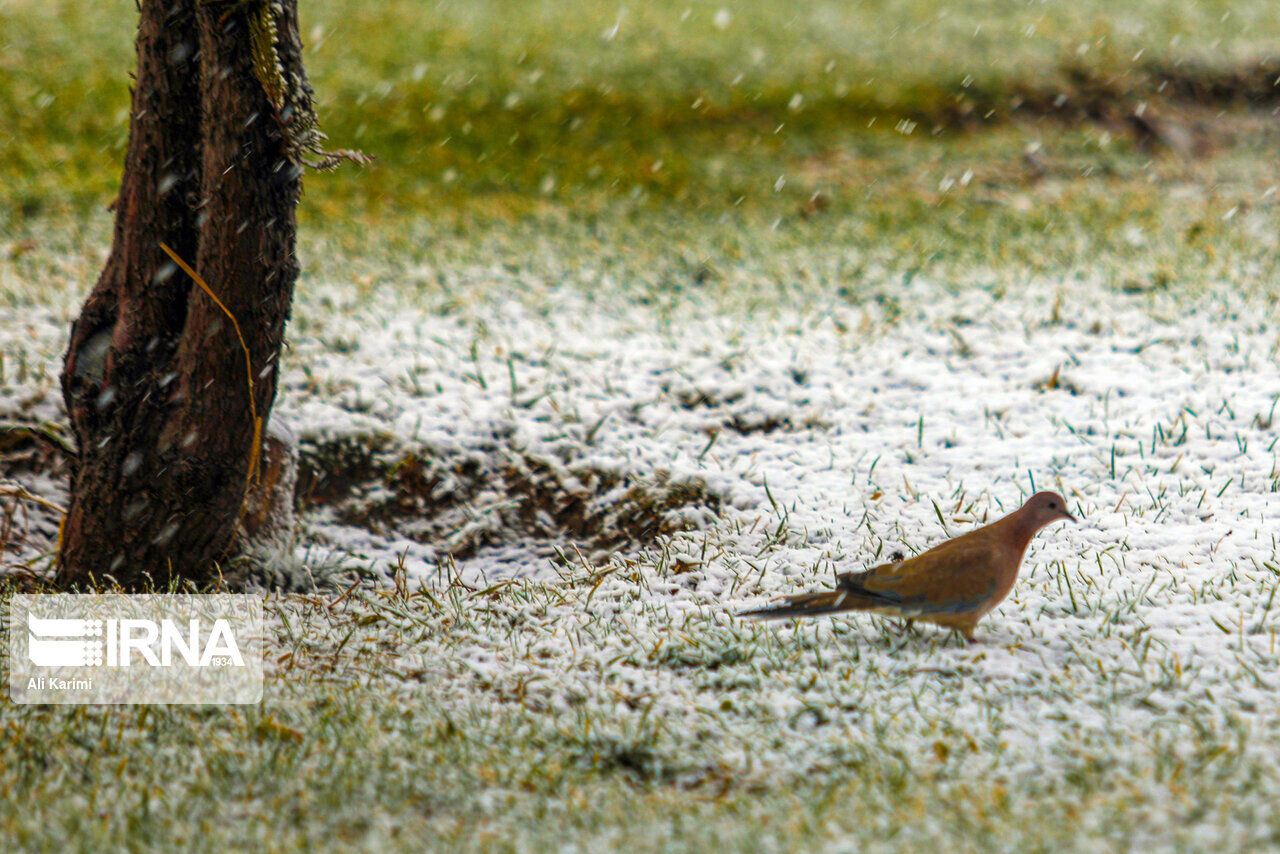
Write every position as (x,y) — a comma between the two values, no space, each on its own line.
(265,529)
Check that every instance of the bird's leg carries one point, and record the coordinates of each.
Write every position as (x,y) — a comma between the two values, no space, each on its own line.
(965,629)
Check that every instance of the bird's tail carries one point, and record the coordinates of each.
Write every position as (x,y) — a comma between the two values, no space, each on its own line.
(803,605)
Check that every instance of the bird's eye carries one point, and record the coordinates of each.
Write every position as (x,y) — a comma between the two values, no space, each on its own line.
(1053,505)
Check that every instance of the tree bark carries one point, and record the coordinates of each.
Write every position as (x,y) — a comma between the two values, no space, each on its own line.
(155,378)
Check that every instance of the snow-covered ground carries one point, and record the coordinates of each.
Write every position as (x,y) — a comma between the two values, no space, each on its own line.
(1152,414)
(1142,639)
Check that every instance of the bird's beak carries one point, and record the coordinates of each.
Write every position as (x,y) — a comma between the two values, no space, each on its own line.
(1069,517)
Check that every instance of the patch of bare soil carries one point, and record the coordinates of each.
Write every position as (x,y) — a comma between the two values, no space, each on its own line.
(465,501)
(1087,94)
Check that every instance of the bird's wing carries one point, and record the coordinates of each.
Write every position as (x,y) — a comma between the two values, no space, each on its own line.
(956,577)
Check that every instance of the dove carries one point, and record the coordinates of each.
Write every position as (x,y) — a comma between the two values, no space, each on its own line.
(954,584)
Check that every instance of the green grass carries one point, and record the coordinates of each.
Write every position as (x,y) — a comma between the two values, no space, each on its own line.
(376,732)
(510,107)
(898,207)
(496,118)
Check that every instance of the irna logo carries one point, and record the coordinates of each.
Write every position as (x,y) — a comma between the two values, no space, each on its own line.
(159,643)
(135,648)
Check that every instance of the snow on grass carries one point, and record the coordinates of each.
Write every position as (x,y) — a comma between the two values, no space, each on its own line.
(1142,639)
(851,426)
(1136,653)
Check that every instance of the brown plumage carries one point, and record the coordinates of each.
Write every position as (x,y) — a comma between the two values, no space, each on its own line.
(954,584)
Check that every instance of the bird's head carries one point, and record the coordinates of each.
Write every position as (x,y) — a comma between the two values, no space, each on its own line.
(1045,507)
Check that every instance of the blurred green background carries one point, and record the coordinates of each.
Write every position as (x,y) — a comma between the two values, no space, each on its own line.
(987,131)
(503,104)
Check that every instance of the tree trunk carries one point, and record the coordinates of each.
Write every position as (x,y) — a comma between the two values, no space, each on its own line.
(155,378)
